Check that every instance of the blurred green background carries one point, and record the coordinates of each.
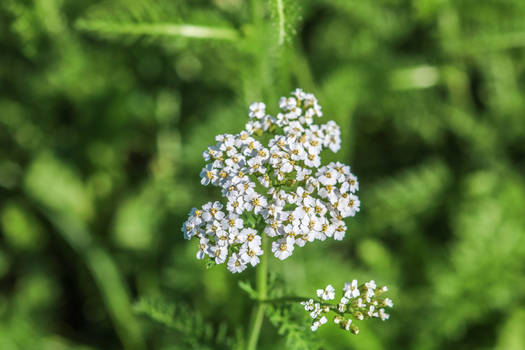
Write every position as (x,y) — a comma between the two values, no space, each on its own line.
(105,108)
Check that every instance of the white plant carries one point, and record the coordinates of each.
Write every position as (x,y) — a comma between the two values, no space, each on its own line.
(357,303)
(273,185)
(276,189)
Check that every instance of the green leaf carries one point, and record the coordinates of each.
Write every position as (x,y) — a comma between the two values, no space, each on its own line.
(247,287)
(511,335)
(192,330)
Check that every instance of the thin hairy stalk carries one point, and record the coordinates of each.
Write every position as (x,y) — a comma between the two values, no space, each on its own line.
(166,29)
(283,300)
(295,299)
(262,285)
(280,14)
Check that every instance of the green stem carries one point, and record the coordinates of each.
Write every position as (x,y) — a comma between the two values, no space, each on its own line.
(280,300)
(261,284)
(295,299)
(280,12)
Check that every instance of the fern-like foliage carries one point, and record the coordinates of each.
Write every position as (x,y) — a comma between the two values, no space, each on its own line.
(192,332)
(290,320)
(413,192)
(154,20)
(293,326)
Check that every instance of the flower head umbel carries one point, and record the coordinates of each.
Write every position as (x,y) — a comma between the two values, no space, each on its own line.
(356,304)
(273,184)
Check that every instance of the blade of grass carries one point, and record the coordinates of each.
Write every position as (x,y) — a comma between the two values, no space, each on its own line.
(105,273)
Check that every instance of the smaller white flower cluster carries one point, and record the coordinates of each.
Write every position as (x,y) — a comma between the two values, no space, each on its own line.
(357,303)
(278,188)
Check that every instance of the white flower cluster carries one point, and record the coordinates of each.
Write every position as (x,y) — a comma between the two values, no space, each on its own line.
(357,303)
(279,189)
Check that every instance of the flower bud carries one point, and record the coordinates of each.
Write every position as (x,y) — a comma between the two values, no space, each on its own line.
(338,319)
(359,315)
(345,324)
